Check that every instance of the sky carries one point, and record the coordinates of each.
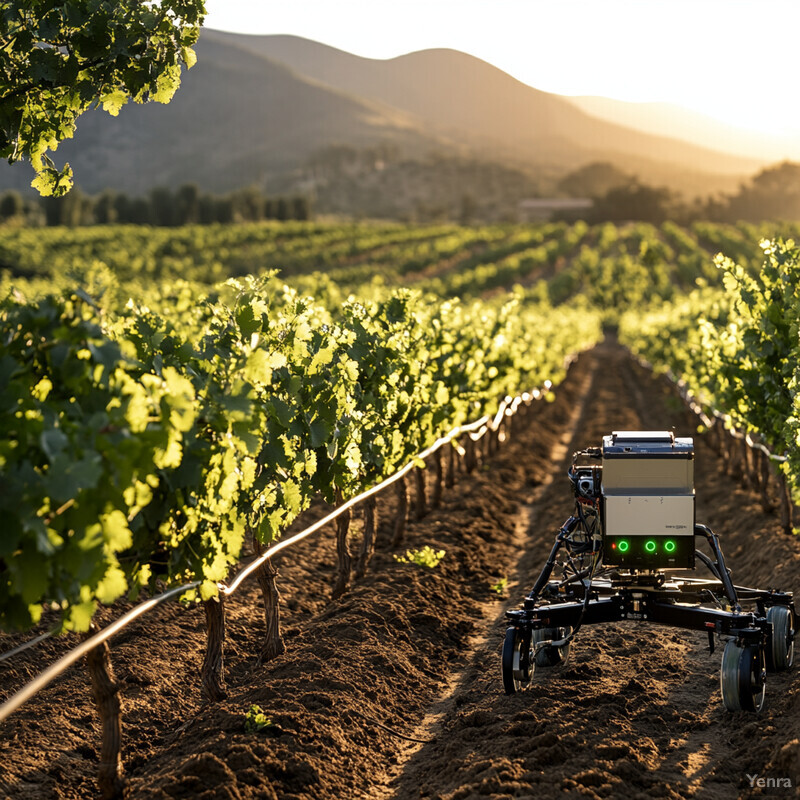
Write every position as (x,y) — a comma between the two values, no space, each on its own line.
(735,60)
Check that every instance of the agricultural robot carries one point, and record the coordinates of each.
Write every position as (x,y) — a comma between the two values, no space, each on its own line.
(629,552)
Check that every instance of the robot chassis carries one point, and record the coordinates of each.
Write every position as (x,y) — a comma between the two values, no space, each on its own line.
(633,523)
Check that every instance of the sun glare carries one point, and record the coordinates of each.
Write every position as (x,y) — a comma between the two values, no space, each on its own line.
(729,59)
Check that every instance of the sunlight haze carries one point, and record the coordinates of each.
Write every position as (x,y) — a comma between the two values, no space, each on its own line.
(733,60)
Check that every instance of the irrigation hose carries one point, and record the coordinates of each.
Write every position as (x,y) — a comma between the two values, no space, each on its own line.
(482,425)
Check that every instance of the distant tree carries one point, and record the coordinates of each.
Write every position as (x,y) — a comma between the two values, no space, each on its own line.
(635,202)
(248,204)
(281,209)
(122,207)
(141,212)
(774,193)
(187,205)
(207,209)
(224,210)
(105,208)
(11,205)
(594,180)
(70,210)
(59,59)
(162,207)
(301,208)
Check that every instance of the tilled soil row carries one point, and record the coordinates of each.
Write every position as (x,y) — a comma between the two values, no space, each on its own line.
(636,711)
(358,676)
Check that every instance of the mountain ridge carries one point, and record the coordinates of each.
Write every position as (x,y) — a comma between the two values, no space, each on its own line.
(398,82)
(265,111)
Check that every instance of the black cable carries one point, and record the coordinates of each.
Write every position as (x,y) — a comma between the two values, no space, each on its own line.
(391,730)
(709,563)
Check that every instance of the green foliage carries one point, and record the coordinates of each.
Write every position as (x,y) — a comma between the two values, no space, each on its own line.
(81,434)
(140,443)
(256,720)
(59,60)
(424,557)
(500,587)
(737,349)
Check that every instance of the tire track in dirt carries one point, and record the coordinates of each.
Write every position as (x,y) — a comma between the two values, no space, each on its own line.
(381,655)
(493,611)
(636,710)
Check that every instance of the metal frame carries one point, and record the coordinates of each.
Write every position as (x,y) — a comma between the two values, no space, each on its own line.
(656,597)
(592,592)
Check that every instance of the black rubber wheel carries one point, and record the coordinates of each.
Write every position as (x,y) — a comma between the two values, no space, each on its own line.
(743,677)
(550,656)
(780,647)
(518,664)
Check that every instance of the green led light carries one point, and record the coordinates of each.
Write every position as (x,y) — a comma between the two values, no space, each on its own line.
(669,546)
(624,545)
(650,546)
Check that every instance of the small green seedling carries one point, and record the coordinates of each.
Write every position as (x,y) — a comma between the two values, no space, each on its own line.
(500,586)
(426,557)
(256,720)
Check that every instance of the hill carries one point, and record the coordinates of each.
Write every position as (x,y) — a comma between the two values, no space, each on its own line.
(366,136)
(473,102)
(238,119)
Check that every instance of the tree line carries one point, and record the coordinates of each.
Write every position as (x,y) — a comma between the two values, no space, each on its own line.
(772,194)
(162,206)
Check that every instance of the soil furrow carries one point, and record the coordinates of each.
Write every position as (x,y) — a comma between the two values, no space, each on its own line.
(413,651)
(636,710)
(493,611)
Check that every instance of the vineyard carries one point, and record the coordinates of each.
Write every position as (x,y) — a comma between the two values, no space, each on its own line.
(178,403)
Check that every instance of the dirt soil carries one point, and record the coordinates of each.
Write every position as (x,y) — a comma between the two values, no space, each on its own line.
(412,653)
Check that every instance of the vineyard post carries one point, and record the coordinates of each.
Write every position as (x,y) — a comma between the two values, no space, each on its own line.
(733,457)
(501,434)
(105,690)
(718,437)
(470,460)
(402,510)
(527,411)
(730,450)
(212,674)
(753,464)
(787,521)
(490,447)
(747,480)
(437,484)
(723,449)
(342,551)
(370,507)
(421,502)
(265,575)
(766,504)
(450,479)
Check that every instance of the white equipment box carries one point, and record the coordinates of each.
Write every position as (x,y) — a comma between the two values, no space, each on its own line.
(648,484)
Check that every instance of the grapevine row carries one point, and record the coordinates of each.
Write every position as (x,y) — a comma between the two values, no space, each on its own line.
(139,446)
(736,348)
